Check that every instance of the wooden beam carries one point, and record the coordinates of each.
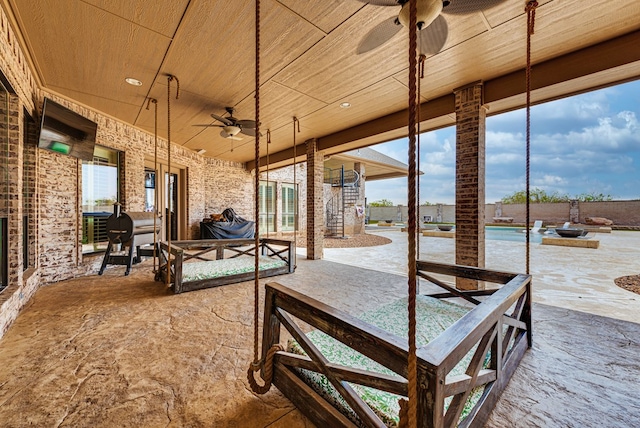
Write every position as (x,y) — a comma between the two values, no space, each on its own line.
(594,59)
(430,110)
(559,71)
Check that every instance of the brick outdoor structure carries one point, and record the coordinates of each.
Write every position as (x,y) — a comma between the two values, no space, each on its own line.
(53,183)
(19,288)
(315,201)
(622,213)
(470,180)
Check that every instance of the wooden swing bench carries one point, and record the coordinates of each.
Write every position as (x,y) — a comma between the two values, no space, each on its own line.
(207,263)
(461,372)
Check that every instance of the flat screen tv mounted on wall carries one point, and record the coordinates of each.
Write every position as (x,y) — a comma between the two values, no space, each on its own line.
(65,131)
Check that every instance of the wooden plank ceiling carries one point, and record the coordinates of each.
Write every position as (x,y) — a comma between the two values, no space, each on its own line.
(85,49)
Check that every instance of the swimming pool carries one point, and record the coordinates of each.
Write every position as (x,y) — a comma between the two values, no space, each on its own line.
(499,233)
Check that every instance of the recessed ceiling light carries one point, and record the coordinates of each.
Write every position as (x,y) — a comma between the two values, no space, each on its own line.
(345,105)
(132,81)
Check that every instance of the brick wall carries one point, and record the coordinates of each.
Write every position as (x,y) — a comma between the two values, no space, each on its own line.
(55,207)
(211,185)
(623,213)
(59,214)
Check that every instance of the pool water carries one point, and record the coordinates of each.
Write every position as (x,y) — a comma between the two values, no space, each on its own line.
(499,233)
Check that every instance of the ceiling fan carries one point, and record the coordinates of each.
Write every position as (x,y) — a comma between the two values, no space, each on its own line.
(231,126)
(432,26)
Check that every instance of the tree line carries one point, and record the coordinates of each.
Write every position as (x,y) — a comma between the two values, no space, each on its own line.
(536,196)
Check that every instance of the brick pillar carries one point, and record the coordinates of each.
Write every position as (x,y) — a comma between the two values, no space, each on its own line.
(315,201)
(14,197)
(498,209)
(574,211)
(470,180)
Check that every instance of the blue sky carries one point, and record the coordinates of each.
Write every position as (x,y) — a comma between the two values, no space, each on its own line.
(589,143)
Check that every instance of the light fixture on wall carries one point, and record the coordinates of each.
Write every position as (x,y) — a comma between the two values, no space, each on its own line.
(201,151)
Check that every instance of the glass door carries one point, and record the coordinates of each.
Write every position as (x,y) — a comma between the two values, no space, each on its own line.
(171,207)
(167,196)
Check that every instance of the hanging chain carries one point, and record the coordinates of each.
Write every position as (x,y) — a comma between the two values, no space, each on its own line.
(155,181)
(531,19)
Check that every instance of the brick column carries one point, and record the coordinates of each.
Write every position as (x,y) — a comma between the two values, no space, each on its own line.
(574,211)
(470,180)
(315,201)
(14,196)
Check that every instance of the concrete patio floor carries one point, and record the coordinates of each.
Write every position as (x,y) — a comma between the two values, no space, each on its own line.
(573,278)
(115,351)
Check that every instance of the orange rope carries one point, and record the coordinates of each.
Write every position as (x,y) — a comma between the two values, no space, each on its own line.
(268,371)
(268,362)
(412,366)
(256,282)
(531,19)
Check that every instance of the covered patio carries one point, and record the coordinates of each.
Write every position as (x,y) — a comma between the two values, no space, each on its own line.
(82,350)
(123,351)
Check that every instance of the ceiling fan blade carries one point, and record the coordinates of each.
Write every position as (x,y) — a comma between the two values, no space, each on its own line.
(381,2)
(221,119)
(462,7)
(379,35)
(207,125)
(228,136)
(432,39)
(246,123)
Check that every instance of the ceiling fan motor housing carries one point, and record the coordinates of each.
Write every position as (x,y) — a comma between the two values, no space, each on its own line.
(428,10)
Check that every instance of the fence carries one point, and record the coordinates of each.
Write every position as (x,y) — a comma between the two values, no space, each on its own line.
(623,213)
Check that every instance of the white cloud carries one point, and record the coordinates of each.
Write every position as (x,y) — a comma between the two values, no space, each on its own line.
(584,144)
(549,181)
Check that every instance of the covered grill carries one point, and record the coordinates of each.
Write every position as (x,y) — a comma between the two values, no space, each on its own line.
(132,230)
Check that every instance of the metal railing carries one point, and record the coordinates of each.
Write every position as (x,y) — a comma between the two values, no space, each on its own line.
(349,182)
(340,177)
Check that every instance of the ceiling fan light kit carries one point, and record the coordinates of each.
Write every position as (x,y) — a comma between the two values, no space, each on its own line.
(231,130)
(428,11)
(231,126)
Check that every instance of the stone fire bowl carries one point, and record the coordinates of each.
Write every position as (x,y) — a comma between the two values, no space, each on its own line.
(569,232)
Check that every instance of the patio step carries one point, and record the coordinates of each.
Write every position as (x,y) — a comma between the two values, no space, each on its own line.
(571,242)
